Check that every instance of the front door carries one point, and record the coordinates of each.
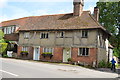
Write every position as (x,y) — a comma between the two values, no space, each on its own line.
(36,53)
(66,54)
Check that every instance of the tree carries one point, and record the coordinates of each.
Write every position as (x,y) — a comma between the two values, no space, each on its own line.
(3,44)
(110,19)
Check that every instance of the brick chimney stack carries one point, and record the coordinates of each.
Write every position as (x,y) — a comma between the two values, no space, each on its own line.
(96,13)
(78,7)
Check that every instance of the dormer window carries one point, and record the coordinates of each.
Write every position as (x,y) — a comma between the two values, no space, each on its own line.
(9,29)
(84,33)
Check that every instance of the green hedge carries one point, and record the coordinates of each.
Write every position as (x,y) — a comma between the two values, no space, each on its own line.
(3,47)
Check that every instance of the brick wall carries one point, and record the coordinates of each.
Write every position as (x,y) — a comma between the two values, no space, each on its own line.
(57,55)
(84,59)
(30,53)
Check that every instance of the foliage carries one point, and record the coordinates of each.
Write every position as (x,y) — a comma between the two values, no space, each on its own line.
(47,53)
(110,19)
(3,47)
(24,51)
(1,34)
(103,64)
(116,52)
(69,59)
(109,15)
(2,41)
(5,56)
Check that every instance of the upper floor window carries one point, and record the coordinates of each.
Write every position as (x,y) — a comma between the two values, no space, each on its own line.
(60,34)
(84,33)
(26,35)
(24,48)
(44,35)
(9,30)
(83,51)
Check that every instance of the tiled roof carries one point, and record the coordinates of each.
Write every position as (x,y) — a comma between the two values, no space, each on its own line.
(59,21)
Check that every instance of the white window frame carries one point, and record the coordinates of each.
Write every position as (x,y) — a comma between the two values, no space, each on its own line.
(84,33)
(24,48)
(5,30)
(48,50)
(80,53)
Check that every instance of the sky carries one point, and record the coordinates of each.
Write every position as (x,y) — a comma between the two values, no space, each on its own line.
(14,9)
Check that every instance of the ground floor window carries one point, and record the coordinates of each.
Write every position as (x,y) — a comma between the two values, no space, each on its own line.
(24,48)
(50,50)
(83,52)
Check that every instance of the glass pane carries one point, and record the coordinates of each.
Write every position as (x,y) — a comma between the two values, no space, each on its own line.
(87,51)
(83,53)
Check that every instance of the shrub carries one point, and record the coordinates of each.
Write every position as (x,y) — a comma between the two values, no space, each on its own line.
(102,64)
(3,47)
(5,55)
(69,59)
(109,65)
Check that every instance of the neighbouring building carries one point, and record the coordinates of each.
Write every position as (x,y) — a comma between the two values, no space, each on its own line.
(76,35)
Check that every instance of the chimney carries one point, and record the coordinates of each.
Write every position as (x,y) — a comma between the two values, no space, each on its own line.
(78,7)
(96,13)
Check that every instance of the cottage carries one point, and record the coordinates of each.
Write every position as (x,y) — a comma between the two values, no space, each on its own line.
(77,36)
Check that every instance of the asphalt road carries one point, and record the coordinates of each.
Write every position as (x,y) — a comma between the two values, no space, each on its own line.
(12,68)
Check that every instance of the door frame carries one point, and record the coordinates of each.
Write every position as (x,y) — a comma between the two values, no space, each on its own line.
(34,53)
(63,53)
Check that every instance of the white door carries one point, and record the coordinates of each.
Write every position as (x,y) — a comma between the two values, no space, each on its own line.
(66,54)
(36,53)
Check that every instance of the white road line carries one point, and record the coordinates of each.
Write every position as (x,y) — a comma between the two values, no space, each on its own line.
(9,73)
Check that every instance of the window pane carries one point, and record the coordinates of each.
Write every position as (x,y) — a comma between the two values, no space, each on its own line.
(87,51)
(86,33)
(80,51)
(46,35)
(4,30)
(83,53)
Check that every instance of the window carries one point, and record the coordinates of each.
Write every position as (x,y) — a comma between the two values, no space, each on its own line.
(44,35)
(48,50)
(60,34)
(83,52)
(26,35)
(9,29)
(85,33)
(24,48)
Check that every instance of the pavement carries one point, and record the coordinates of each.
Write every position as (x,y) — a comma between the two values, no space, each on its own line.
(12,68)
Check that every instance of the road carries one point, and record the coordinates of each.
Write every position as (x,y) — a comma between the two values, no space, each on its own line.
(12,68)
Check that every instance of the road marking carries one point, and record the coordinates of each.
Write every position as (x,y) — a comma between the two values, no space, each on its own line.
(9,73)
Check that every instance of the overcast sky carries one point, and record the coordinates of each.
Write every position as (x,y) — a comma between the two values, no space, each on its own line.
(13,9)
